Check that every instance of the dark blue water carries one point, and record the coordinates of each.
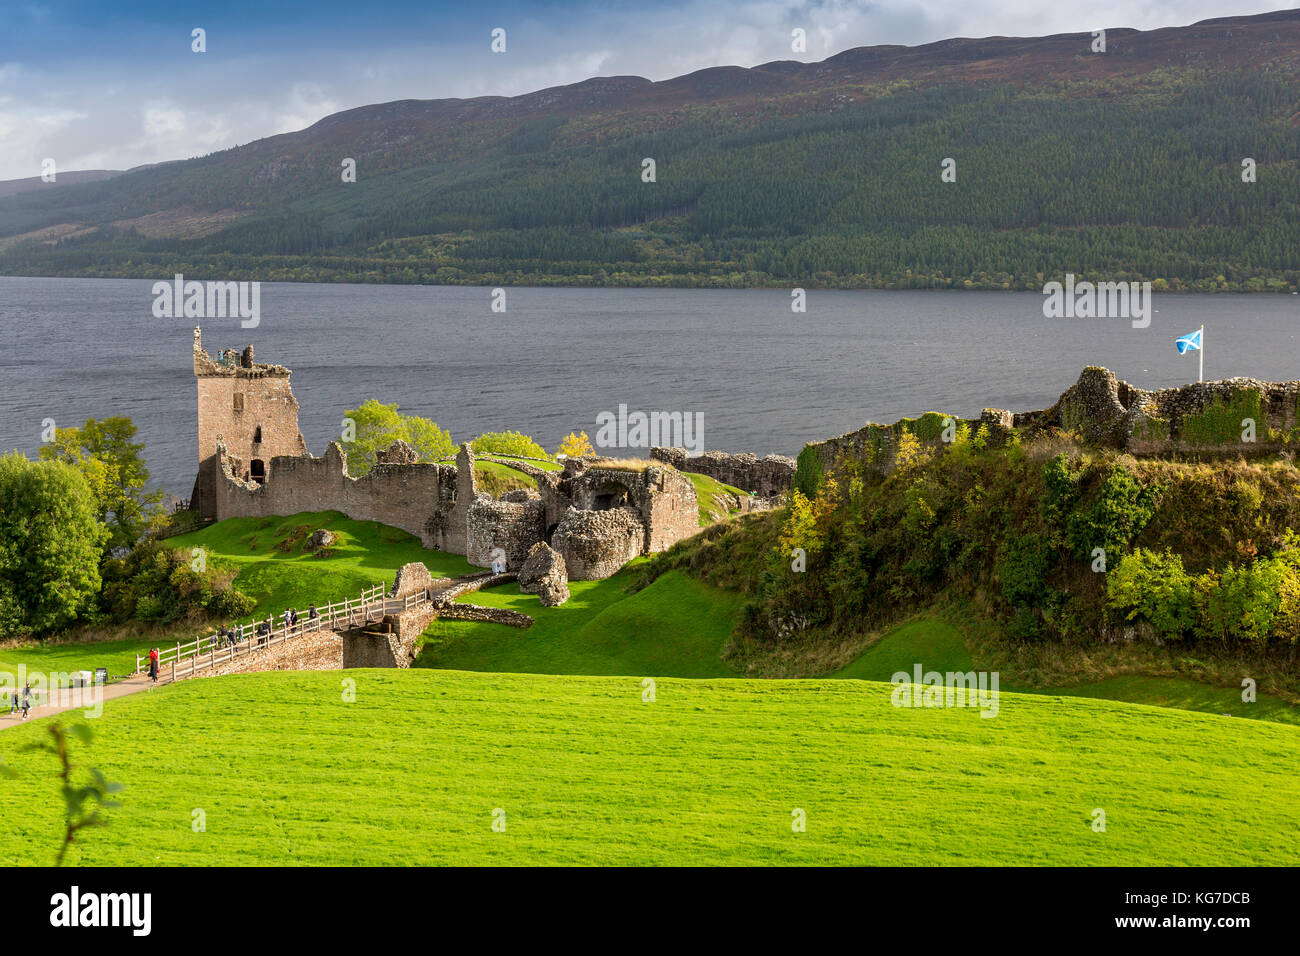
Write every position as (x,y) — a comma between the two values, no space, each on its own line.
(765,379)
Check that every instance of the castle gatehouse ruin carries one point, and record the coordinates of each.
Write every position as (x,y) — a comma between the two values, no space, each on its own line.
(253,462)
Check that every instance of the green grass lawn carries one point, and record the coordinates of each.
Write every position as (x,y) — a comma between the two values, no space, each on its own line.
(277,568)
(675,627)
(939,646)
(364,553)
(285,771)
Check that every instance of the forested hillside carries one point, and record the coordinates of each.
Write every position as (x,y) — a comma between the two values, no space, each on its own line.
(1126,164)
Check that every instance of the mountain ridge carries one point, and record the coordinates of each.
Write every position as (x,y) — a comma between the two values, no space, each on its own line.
(736,184)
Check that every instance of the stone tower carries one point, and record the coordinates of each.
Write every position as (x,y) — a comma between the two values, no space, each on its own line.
(249,407)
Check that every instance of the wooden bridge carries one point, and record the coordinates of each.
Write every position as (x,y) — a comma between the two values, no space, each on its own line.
(371,607)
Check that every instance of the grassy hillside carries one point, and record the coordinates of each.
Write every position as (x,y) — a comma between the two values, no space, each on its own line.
(938,645)
(820,175)
(676,627)
(587,772)
(1201,572)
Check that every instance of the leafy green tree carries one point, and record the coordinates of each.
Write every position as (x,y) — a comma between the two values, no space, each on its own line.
(1155,587)
(50,545)
(509,443)
(1122,508)
(113,464)
(378,425)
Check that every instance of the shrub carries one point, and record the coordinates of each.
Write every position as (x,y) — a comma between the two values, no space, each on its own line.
(808,472)
(157,584)
(514,444)
(1121,510)
(1023,568)
(1155,587)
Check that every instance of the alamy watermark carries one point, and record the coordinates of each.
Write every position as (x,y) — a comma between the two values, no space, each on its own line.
(66,691)
(950,689)
(208,300)
(1098,300)
(645,430)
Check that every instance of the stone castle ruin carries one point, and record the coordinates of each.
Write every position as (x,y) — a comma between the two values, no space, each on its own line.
(250,410)
(1236,416)
(596,514)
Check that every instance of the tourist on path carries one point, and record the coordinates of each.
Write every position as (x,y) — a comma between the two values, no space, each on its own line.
(153,665)
(27,700)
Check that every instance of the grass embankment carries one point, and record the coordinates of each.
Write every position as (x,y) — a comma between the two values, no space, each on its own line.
(277,569)
(711,495)
(939,646)
(677,626)
(587,772)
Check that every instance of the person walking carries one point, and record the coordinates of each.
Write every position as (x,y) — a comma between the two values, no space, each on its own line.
(153,665)
(13,702)
(27,701)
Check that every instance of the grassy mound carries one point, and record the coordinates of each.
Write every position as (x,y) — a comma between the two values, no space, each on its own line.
(285,771)
(677,627)
(711,496)
(938,645)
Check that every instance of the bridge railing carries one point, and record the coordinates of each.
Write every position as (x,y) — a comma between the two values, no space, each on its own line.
(208,650)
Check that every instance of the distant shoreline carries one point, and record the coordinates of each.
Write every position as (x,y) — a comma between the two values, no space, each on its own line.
(655,282)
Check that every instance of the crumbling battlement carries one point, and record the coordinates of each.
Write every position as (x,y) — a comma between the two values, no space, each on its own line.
(765,477)
(1236,416)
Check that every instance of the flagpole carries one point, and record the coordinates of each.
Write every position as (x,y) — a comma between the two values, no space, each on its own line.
(1200,376)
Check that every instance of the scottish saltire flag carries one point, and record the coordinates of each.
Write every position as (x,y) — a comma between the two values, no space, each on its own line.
(1189,343)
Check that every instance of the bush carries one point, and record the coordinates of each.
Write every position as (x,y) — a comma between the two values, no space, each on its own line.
(1122,509)
(808,472)
(514,444)
(1156,588)
(157,584)
(1023,568)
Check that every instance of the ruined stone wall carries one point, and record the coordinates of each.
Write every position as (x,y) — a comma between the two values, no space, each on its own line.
(1199,418)
(400,495)
(766,477)
(514,525)
(595,544)
(371,647)
(662,497)
(877,445)
(1236,416)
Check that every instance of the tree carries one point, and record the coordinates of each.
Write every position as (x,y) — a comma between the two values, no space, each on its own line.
(576,445)
(379,425)
(50,545)
(114,467)
(514,444)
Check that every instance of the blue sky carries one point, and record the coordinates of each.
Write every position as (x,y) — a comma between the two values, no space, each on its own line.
(114,83)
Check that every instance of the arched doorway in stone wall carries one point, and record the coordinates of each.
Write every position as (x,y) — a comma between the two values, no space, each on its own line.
(257,470)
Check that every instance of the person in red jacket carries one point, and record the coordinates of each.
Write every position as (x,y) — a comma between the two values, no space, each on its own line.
(153,665)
